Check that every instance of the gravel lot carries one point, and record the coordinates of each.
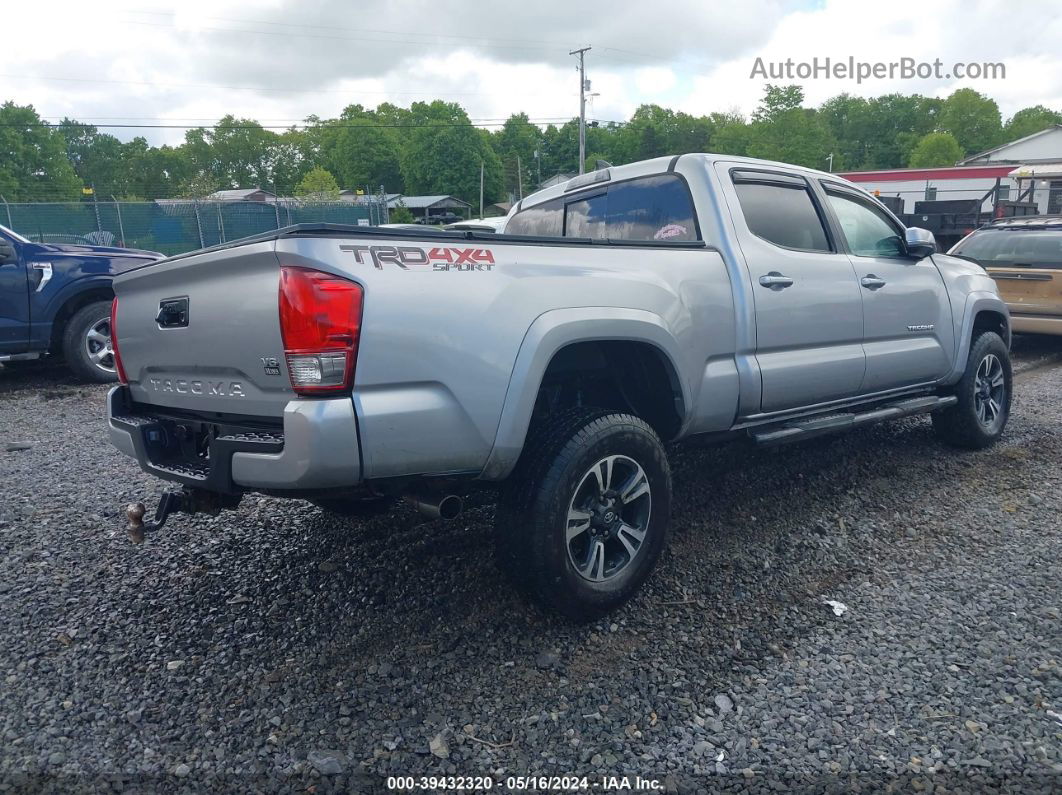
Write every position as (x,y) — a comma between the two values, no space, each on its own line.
(277,648)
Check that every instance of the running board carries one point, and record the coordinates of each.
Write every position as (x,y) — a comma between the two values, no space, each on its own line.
(798,430)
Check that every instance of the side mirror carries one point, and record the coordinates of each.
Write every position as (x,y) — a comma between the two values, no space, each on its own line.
(7,252)
(920,242)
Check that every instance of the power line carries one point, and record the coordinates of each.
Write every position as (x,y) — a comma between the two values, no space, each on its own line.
(322,125)
(295,90)
(288,25)
(290,34)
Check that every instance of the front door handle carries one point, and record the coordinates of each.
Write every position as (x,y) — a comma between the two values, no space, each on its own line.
(776,281)
(872,282)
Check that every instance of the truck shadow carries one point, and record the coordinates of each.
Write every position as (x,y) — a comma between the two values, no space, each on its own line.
(408,625)
(52,379)
(758,535)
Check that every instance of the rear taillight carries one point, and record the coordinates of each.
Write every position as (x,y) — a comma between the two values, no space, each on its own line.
(114,343)
(320,322)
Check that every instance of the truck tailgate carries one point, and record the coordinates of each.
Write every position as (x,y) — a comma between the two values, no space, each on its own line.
(225,354)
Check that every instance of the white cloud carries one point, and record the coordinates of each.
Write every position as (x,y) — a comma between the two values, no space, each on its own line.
(280,60)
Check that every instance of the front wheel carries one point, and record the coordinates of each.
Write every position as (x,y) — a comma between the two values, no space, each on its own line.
(584,517)
(87,344)
(978,419)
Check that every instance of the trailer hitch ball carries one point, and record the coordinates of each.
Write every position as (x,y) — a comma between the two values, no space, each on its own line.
(172,501)
(134,513)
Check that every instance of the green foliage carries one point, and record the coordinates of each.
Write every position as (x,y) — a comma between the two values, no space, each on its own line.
(432,148)
(936,149)
(34,165)
(1030,120)
(400,215)
(783,130)
(197,186)
(238,153)
(366,156)
(777,101)
(443,155)
(516,143)
(973,119)
(318,185)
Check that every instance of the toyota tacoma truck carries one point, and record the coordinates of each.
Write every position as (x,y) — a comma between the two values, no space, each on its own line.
(56,299)
(697,295)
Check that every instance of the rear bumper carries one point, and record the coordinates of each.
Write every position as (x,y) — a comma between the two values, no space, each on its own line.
(1036,324)
(316,446)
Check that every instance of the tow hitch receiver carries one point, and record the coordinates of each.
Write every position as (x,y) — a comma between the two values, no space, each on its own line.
(184,501)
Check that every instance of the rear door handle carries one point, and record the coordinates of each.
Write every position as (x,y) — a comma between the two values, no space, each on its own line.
(775,281)
(872,282)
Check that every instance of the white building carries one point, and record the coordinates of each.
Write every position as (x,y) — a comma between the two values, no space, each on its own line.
(1034,160)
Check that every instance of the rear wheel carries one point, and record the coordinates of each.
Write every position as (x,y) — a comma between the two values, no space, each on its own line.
(87,344)
(984,391)
(584,517)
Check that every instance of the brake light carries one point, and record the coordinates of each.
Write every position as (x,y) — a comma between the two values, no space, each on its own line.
(320,323)
(114,344)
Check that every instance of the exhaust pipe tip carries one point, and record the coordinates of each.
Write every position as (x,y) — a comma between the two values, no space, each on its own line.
(450,506)
(437,506)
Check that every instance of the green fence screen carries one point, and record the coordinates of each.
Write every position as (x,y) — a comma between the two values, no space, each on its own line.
(173,226)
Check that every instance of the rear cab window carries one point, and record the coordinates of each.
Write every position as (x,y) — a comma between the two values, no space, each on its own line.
(779,209)
(656,208)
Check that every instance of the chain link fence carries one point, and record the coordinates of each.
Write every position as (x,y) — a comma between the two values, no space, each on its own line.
(174,226)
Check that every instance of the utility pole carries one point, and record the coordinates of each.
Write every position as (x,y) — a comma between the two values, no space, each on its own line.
(480,188)
(829,158)
(519,178)
(582,106)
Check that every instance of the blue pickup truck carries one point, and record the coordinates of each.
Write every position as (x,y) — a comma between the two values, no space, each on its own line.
(56,299)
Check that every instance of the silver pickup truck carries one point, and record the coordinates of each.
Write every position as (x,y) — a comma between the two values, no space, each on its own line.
(628,308)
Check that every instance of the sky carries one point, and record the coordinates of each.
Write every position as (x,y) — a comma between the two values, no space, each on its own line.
(278,61)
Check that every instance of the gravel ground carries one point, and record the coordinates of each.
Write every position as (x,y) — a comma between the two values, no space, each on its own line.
(277,648)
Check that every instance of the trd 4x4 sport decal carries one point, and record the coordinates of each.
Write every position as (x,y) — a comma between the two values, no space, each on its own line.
(421,259)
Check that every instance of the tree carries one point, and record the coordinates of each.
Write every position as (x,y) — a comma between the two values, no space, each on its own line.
(1030,120)
(318,185)
(973,119)
(789,133)
(778,100)
(560,147)
(516,143)
(732,134)
(34,165)
(197,186)
(161,173)
(936,149)
(444,154)
(400,214)
(363,154)
(237,152)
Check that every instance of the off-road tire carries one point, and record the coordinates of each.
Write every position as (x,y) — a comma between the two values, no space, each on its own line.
(960,425)
(74,349)
(533,509)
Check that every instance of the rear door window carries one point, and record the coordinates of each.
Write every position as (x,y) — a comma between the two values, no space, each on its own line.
(587,217)
(782,213)
(656,208)
(651,208)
